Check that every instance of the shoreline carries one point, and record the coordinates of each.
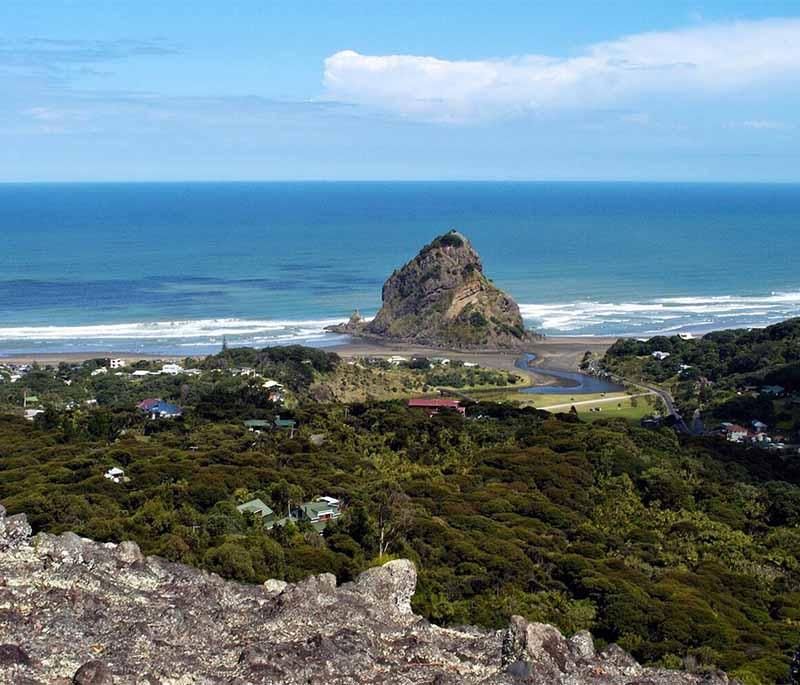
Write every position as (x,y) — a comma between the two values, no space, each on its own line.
(558,353)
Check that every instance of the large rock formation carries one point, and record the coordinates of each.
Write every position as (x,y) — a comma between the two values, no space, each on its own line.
(76,611)
(441,298)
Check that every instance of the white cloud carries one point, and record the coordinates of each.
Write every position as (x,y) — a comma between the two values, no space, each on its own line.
(700,61)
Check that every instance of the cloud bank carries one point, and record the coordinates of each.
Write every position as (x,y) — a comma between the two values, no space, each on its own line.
(698,62)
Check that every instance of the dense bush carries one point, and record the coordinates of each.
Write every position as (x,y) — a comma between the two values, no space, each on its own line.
(670,548)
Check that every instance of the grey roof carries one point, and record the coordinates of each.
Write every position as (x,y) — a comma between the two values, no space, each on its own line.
(255,506)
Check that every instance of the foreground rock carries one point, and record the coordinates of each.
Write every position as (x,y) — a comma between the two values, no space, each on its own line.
(441,298)
(76,611)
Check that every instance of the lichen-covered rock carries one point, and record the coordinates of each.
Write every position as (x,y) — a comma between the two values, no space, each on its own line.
(75,611)
(441,298)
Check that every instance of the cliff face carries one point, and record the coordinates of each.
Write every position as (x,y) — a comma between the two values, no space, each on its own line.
(76,611)
(442,298)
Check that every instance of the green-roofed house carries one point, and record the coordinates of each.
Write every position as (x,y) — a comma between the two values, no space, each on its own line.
(258,508)
(291,424)
(319,512)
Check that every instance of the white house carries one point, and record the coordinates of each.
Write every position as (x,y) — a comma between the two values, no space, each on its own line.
(100,371)
(470,365)
(661,356)
(396,359)
(269,384)
(139,373)
(115,475)
(172,369)
(117,363)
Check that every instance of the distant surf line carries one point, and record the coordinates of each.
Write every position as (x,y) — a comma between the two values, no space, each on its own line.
(579,318)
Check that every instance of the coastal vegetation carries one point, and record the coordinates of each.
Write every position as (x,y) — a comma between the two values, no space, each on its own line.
(722,373)
(683,550)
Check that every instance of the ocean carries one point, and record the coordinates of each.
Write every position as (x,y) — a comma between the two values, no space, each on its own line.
(173,268)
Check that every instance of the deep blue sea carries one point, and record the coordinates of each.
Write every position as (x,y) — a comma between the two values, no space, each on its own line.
(172,268)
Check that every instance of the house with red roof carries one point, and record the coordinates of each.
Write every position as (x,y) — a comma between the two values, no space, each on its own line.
(435,405)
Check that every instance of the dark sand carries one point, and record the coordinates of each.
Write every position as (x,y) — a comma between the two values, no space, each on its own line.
(563,354)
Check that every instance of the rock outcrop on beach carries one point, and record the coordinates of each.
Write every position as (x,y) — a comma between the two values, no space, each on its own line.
(77,611)
(442,298)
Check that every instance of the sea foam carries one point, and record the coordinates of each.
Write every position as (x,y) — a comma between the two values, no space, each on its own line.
(661,315)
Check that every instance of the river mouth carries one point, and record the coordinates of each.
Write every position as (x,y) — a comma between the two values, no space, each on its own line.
(576,382)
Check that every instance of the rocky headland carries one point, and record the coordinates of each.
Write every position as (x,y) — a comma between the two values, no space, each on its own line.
(441,298)
(77,611)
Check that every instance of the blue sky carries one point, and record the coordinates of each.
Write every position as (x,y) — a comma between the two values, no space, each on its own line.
(123,90)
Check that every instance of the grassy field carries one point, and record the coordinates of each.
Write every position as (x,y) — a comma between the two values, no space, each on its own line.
(621,405)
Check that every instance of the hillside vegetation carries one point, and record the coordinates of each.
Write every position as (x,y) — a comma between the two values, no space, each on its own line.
(719,372)
(684,551)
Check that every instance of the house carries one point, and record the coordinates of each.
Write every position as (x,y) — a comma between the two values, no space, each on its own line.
(291,424)
(470,365)
(244,371)
(433,406)
(774,390)
(685,336)
(396,359)
(659,355)
(274,389)
(733,432)
(117,363)
(158,409)
(318,512)
(100,371)
(165,410)
(258,508)
(139,373)
(115,475)
(652,422)
(31,414)
(171,369)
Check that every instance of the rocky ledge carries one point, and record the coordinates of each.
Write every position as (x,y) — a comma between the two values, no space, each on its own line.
(76,611)
(441,298)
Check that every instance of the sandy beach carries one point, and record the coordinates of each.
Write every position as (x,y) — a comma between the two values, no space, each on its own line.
(563,354)
(54,358)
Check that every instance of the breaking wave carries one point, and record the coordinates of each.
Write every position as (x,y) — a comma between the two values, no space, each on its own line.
(661,315)
(640,318)
(167,337)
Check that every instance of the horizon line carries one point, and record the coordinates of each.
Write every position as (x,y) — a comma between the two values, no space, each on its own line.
(396,180)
